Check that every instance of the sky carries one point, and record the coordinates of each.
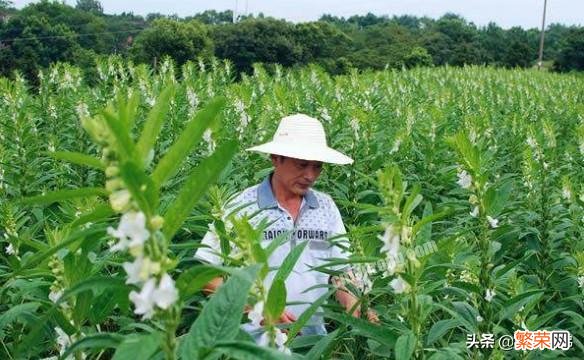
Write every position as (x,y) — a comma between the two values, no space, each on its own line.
(506,13)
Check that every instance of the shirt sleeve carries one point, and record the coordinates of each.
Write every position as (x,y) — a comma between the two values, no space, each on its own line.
(340,248)
(210,249)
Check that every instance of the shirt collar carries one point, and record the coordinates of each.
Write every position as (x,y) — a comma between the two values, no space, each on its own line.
(267,200)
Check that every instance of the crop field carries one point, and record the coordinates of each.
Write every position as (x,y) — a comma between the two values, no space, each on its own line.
(464,210)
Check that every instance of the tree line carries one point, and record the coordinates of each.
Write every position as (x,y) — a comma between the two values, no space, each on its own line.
(49,31)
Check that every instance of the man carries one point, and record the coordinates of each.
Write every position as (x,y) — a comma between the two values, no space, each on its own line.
(286,200)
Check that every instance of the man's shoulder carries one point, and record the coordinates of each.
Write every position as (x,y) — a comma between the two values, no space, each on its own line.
(247,196)
(324,199)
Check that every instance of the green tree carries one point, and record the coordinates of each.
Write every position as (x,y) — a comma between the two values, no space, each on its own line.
(518,52)
(92,29)
(382,45)
(257,40)
(419,56)
(92,6)
(492,41)
(453,41)
(571,54)
(31,43)
(182,41)
(212,17)
(321,43)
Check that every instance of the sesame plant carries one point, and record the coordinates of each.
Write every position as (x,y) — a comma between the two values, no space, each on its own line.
(107,188)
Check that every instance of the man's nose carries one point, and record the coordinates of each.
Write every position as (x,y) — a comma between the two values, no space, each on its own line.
(311,174)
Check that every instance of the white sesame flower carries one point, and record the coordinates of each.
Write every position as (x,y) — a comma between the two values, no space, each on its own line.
(531,142)
(400,318)
(54,296)
(479,318)
(494,223)
(82,110)
(192,97)
(264,340)
(256,315)
(63,340)
(566,193)
(140,270)
(390,238)
(464,179)
(279,339)
(208,138)
(131,232)
(489,295)
(144,300)
(475,212)
(581,281)
(399,285)
(10,249)
(166,294)
(396,145)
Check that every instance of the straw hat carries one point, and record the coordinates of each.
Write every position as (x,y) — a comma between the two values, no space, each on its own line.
(300,136)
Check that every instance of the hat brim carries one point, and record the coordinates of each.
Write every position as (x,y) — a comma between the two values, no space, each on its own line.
(304,152)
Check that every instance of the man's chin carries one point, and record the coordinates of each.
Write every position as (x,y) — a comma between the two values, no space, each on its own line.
(302,190)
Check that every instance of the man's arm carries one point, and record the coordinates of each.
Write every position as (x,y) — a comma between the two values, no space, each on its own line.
(348,300)
(212,286)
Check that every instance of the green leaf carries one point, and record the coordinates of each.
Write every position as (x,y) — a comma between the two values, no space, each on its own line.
(365,328)
(143,189)
(63,195)
(512,306)
(100,212)
(307,314)
(154,122)
(195,186)
(289,262)
(121,132)
(195,278)
(220,318)
(95,285)
(105,303)
(190,136)
(73,238)
(496,198)
(412,202)
(138,346)
(15,312)
(276,300)
(78,158)
(405,346)
(323,347)
(96,341)
(461,317)
(440,328)
(425,231)
(249,351)
(276,243)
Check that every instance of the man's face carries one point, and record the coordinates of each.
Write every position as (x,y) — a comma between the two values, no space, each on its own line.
(295,174)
